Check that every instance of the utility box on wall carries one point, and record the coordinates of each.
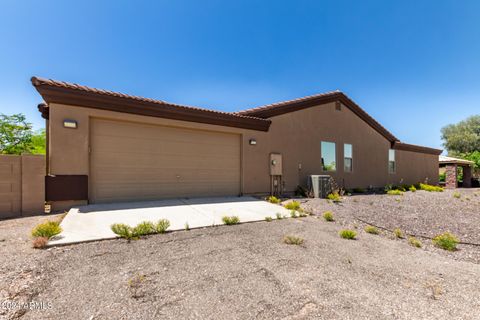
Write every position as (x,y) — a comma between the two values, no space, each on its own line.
(275,164)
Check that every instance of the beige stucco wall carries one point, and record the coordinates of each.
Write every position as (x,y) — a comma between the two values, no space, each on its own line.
(22,185)
(295,135)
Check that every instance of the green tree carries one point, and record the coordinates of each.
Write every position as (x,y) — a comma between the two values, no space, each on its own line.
(463,137)
(462,140)
(17,136)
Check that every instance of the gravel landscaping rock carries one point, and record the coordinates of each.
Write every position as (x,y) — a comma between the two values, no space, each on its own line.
(423,214)
(243,272)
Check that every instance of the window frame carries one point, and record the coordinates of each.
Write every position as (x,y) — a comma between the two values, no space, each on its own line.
(392,151)
(351,157)
(322,162)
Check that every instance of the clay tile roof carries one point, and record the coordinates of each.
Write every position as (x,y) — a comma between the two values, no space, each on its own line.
(61,92)
(274,109)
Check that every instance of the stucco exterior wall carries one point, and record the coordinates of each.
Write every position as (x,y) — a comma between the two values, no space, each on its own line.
(22,185)
(295,135)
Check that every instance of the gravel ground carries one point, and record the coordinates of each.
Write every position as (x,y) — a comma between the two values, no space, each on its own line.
(240,272)
(423,214)
(18,263)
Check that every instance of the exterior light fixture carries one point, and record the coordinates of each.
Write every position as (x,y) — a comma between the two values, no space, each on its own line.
(72,124)
(252,142)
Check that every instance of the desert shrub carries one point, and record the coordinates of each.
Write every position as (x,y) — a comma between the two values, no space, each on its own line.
(187,226)
(395,192)
(293,240)
(328,216)
(371,229)
(40,242)
(229,220)
(47,229)
(414,242)
(273,199)
(268,219)
(348,234)
(335,197)
(292,205)
(293,214)
(162,225)
(398,233)
(430,188)
(279,216)
(143,228)
(457,195)
(123,230)
(358,190)
(301,192)
(135,286)
(446,241)
(302,214)
(388,187)
(412,188)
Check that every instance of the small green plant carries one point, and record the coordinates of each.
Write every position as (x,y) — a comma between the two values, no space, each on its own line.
(412,188)
(47,229)
(293,214)
(143,228)
(268,219)
(273,199)
(457,195)
(229,220)
(430,188)
(187,226)
(292,205)
(395,192)
(135,284)
(162,225)
(398,233)
(123,230)
(446,241)
(371,229)
(302,214)
(335,197)
(414,242)
(279,216)
(328,216)
(293,240)
(348,234)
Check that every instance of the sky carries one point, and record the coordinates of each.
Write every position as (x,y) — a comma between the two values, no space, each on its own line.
(413,65)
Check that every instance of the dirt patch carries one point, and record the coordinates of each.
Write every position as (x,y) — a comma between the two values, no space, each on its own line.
(423,214)
(19,265)
(246,271)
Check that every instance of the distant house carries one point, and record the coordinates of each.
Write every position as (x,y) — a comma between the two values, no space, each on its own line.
(105,146)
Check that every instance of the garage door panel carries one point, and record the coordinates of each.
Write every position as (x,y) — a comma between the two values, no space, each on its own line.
(185,160)
(132,161)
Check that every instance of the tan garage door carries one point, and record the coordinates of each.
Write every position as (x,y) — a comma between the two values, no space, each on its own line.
(132,161)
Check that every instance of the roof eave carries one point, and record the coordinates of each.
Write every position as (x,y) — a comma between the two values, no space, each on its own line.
(97,100)
(414,148)
(300,104)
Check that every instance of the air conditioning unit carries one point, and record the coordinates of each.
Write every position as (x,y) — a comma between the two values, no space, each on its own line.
(320,185)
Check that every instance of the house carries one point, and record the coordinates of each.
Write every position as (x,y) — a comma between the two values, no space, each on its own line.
(105,146)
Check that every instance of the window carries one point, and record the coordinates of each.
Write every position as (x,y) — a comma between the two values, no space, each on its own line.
(328,156)
(391,161)
(347,158)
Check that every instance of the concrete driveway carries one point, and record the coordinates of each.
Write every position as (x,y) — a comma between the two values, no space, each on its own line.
(92,222)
